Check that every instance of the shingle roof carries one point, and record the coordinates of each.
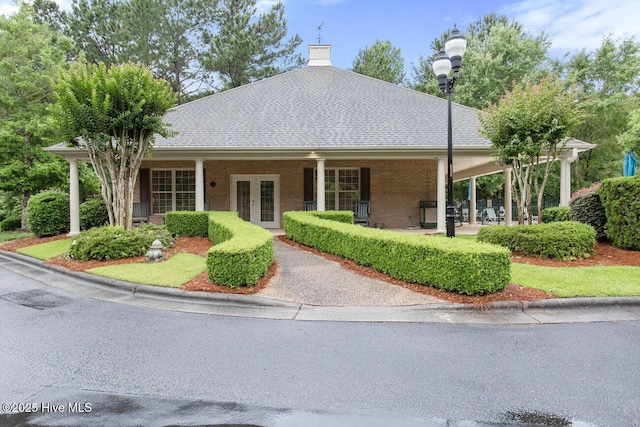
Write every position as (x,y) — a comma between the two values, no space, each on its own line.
(319,108)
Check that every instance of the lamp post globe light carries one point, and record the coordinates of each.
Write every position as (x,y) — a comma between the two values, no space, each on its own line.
(450,59)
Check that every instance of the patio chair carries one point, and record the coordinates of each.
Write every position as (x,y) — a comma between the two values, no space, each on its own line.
(489,215)
(310,205)
(140,213)
(361,213)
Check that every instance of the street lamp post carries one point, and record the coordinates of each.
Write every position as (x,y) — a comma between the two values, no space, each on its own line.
(450,59)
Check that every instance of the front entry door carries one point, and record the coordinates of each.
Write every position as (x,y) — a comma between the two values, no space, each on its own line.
(256,198)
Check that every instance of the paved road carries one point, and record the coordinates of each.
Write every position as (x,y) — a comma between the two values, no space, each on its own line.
(60,347)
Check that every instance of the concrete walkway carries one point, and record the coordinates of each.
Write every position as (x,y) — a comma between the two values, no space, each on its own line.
(306,278)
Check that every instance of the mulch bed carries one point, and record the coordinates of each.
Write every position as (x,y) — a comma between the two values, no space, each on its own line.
(606,255)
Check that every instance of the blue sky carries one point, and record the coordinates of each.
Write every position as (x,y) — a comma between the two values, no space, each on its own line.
(411,25)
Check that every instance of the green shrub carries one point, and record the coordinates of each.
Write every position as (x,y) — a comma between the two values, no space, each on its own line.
(558,240)
(48,213)
(109,243)
(242,253)
(187,223)
(93,213)
(586,207)
(11,223)
(3,215)
(457,265)
(557,214)
(621,200)
(339,216)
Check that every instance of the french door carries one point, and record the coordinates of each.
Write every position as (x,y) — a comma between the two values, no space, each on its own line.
(256,198)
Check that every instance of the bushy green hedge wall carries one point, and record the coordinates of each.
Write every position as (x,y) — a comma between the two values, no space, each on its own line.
(48,213)
(587,208)
(93,213)
(621,200)
(557,214)
(11,223)
(187,223)
(559,240)
(242,253)
(109,243)
(454,265)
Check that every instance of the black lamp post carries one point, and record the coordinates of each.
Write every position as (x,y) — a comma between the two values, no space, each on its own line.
(450,59)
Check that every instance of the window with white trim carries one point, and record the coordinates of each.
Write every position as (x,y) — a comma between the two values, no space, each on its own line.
(341,186)
(173,190)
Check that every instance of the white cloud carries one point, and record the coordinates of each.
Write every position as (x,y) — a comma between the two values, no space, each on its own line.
(7,9)
(263,6)
(577,24)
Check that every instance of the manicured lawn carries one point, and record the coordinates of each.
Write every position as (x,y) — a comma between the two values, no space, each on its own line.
(45,251)
(172,273)
(579,281)
(5,236)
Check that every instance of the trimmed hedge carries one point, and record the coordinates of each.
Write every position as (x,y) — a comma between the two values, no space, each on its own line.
(48,213)
(621,200)
(93,213)
(586,207)
(187,223)
(242,253)
(109,243)
(557,214)
(454,265)
(11,223)
(559,240)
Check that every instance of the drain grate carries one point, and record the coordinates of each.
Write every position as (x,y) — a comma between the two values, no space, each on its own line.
(37,298)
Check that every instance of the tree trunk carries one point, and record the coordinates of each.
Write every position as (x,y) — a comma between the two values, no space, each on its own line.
(23,220)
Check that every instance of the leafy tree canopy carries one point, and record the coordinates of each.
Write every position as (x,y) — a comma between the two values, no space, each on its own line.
(381,61)
(529,125)
(248,46)
(499,53)
(116,111)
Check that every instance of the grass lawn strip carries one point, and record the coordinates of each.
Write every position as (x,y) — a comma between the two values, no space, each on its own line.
(45,251)
(567,282)
(176,271)
(6,236)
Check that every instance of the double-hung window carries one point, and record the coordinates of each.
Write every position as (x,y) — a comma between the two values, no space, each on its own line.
(173,190)
(342,188)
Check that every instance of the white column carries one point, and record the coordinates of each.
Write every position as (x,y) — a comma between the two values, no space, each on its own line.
(320,195)
(74,198)
(564,182)
(507,197)
(199,186)
(442,197)
(473,201)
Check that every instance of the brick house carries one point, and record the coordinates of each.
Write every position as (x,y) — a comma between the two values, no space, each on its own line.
(259,149)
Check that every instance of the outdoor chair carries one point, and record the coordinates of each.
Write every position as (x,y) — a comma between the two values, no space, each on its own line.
(489,215)
(140,212)
(310,205)
(361,213)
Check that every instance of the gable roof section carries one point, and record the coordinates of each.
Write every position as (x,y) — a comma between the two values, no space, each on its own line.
(319,108)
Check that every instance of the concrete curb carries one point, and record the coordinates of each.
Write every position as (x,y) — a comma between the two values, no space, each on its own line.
(557,310)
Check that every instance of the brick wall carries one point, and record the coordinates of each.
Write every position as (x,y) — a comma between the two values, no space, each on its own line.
(397,186)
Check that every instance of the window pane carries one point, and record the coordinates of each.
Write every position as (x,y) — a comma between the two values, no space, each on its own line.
(161,189)
(243,199)
(186,190)
(267,201)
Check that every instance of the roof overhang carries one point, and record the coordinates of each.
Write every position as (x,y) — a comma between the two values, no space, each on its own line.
(468,161)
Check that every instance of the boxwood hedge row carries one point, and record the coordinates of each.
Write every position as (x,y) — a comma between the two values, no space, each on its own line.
(454,265)
(559,240)
(556,214)
(621,200)
(187,223)
(242,253)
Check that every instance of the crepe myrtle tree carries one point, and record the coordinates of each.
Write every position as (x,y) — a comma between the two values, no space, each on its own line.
(529,127)
(113,114)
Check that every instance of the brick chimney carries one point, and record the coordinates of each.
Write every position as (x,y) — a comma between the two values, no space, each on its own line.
(319,56)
